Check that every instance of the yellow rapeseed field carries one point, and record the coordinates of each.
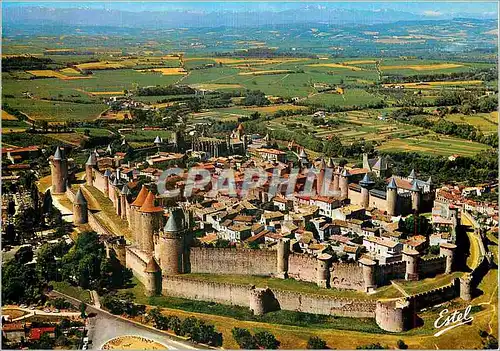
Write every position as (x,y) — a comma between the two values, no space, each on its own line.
(166,71)
(336,65)
(263,73)
(7,116)
(423,67)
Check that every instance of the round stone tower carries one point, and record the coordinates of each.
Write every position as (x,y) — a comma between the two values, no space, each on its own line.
(336,181)
(466,287)
(80,208)
(124,194)
(321,185)
(89,169)
(323,270)
(368,274)
(344,184)
(150,222)
(282,258)
(366,184)
(415,196)
(411,257)
(135,216)
(394,315)
(114,194)
(59,171)
(152,279)
(257,301)
(172,244)
(392,197)
(448,250)
(106,174)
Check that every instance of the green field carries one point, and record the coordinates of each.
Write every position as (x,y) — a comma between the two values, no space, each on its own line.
(73,291)
(389,135)
(485,122)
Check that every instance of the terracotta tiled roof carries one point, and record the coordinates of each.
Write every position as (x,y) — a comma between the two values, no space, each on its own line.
(149,204)
(36,333)
(141,197)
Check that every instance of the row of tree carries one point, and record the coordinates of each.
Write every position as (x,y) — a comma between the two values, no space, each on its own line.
(195,329)
(260,340)
(483,167)
(484,74)
(446,127)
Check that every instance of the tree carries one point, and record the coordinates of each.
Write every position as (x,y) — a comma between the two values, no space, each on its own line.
(316,343)
(20,283)
(333,147)
(374,346)
(174,324)
(422,227)
(491,343)
(401,345)
(24,254)
(266,340)
(255,97)
(83,310)
(244,338)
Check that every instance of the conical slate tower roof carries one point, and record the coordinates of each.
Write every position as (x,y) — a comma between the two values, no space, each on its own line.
(174,224)
(157,140)
(429,181)
(412,174)
(152,266)
(107,173)
(92,160)
(345,173)
(392,184)
(149,204)
(139,200)
(381,164)
(415,187)
(330,163)
(302,153)
(58,154)
(116,182)
(366,181)
(125,190)
(79,198)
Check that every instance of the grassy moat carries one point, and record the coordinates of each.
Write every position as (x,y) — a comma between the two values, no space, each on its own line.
(293,285)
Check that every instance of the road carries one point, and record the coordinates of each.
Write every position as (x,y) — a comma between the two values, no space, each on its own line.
(105,326)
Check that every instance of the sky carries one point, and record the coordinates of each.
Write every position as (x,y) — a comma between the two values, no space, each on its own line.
(428,8)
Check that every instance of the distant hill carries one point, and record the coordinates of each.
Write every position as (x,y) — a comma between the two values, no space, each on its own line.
(46,16)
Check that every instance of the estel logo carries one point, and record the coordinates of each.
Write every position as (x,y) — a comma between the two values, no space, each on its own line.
(453,320)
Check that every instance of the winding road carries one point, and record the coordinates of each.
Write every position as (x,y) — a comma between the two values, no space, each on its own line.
(104,326)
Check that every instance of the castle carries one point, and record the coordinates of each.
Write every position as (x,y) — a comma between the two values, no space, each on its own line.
(161,251)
